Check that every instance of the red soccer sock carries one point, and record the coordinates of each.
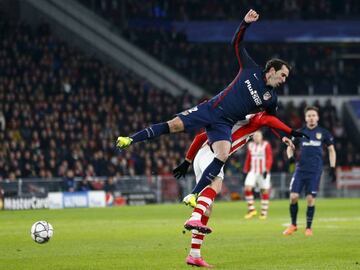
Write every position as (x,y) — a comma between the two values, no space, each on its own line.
(196,242)
(197,239)
(204,219)
(204,201)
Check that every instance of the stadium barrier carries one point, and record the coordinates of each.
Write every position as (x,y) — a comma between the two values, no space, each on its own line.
(135,190)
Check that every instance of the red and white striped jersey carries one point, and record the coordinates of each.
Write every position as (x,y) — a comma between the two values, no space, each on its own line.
(258,157)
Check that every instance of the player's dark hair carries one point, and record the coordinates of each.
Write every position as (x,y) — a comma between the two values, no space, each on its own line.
(311,108)
(276,63)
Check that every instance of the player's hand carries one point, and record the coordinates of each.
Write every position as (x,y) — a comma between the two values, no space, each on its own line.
(181,170)
(332,174)
(299,134)
(251,16)
(265,174)
(288,142)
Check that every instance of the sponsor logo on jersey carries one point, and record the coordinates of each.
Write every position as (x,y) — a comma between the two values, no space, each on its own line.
(267,95)
(312,143)
(318,135)
(254,94)
(256,76)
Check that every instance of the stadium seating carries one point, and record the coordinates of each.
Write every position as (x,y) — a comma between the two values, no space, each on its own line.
(224,9)
(62,109)
(213,65)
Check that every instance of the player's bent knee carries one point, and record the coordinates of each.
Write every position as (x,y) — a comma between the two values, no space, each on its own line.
(294,197)
(248,188)
(176,125)
(221,149)
(310,200)
(222,156)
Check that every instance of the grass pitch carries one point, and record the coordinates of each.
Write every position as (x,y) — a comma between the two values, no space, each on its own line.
(151,237)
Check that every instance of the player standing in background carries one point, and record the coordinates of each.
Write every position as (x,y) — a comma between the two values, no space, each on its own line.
(258,166)
(252,90)
(309,168)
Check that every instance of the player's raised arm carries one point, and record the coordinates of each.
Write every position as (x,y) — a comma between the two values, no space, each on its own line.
(242,56)
(195,146)
(274,122)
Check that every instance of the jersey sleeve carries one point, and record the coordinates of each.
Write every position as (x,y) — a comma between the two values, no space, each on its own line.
(274,122)
(244,60)
(249,128)
(328,138)
(195,146)
(269,157)
(247,161)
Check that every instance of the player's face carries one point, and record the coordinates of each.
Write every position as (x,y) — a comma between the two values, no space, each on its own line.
(311,118)
(277,78)
(258,137)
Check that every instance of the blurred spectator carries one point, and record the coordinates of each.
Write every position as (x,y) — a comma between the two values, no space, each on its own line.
(84,185)
(110,185)
(69,183)
(2,121)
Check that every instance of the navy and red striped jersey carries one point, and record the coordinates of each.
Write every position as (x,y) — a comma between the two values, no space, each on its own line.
(248,92)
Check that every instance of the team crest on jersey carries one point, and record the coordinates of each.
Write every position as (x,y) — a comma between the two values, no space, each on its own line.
(318,135)
(267,95)
(187,112)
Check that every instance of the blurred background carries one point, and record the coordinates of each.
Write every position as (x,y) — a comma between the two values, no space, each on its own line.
(74,75)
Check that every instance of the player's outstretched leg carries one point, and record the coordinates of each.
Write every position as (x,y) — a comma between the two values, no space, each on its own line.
(204,201)
(154,131)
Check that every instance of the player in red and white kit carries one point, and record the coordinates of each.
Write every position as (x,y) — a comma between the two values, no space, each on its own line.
(258,166)
(200,152)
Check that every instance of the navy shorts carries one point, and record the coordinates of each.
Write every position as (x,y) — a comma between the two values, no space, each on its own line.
(205,116)
(309,180)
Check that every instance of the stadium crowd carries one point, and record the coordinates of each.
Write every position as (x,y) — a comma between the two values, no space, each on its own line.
(61,111)
(224,9)
(213,65)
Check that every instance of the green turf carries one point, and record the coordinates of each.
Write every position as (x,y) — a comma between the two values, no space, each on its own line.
(150,237)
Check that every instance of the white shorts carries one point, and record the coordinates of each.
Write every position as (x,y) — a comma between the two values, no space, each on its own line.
(253,179)
(202,159)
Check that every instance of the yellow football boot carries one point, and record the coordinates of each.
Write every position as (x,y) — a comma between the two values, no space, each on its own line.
(250,214)
(123,142)
(190,200)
